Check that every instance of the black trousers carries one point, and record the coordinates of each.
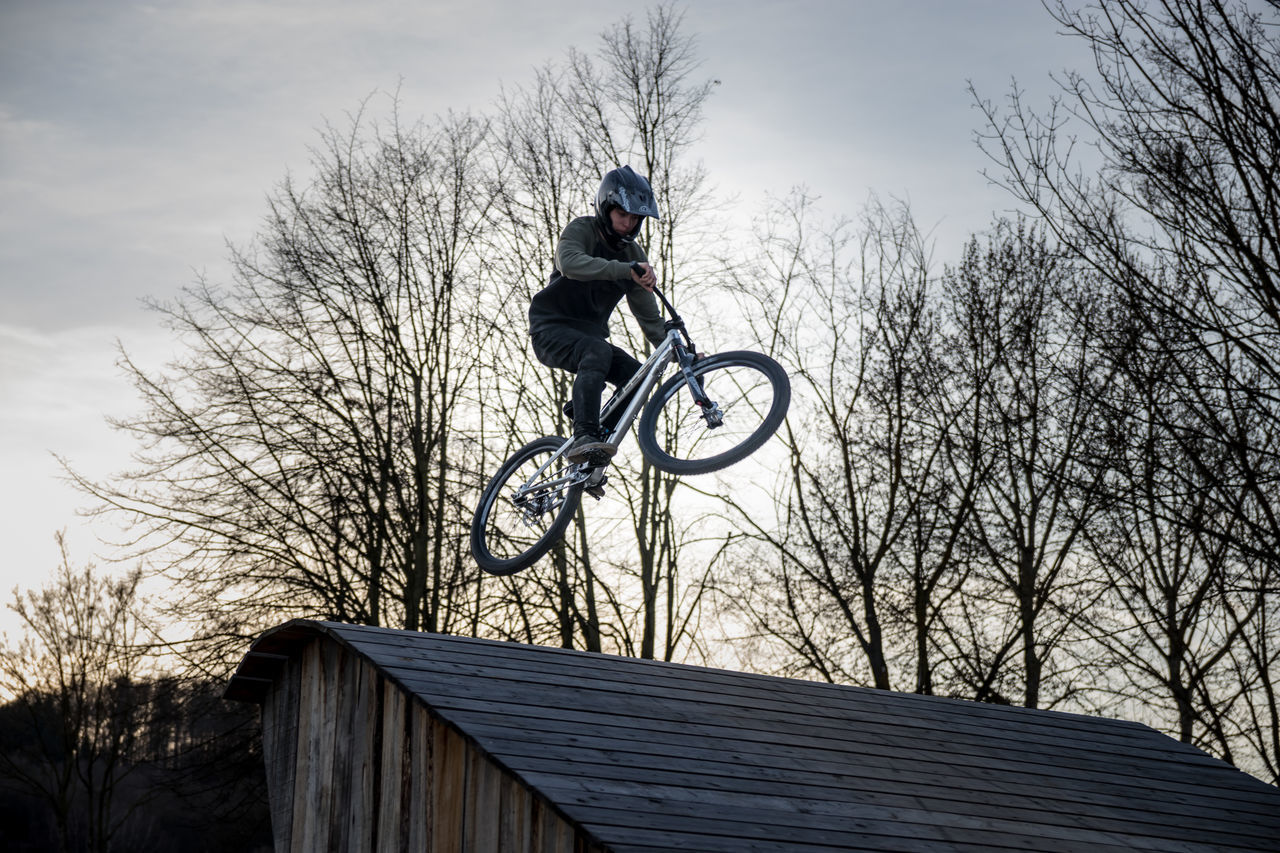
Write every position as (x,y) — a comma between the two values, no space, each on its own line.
(593,361)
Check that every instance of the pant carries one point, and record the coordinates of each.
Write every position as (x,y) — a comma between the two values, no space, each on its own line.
(593,361)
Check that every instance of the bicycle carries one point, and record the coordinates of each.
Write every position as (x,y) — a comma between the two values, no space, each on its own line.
(527,506)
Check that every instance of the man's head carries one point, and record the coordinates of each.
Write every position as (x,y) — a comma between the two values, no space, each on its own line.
(622,202)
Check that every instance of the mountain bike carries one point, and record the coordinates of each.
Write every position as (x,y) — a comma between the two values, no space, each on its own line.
(715,410)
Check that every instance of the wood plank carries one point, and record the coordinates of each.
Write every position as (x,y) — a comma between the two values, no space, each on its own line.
(310,804)
(885,776)
(658,716)
(513,815)
(341,668)
(658,791)
(280,751)
(549,691)
(392,770)
(361,728)
(545,665)
(946,789)
(779,809)
(741,826)
(448,779)
(551,834)
(531,663)
(421,784)
(480,806)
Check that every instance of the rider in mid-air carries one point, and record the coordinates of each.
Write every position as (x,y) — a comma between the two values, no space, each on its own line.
(569,318)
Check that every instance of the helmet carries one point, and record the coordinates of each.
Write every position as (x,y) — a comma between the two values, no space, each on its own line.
(623,188)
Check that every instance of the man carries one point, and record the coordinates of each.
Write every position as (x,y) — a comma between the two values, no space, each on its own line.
(569,318)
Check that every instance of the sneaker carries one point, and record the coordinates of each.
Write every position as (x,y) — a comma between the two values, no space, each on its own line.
(589,448)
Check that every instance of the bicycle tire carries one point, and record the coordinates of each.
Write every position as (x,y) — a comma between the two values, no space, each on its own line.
(506,537)
(753,393)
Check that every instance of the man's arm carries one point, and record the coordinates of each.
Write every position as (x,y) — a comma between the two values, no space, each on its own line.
(644,306)
(574,260)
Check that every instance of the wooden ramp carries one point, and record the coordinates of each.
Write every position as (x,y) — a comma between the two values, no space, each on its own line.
(392,740)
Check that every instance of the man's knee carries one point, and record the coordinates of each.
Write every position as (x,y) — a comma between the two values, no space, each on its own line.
(595,356)
(622,367)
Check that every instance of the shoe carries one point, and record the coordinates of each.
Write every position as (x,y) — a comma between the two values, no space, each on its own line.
(589,448)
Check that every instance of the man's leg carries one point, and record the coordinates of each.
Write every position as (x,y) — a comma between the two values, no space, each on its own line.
(595,358)
(621,369)
(591,360)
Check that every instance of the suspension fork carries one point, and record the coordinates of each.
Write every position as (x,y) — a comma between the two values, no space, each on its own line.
(685,354)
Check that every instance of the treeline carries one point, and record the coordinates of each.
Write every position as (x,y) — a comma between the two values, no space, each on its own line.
(106,745)
(190,780)
(1043,472)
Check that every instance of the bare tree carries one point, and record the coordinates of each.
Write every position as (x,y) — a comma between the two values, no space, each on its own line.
(1181,112)
(76,673)
(863,551)
(1026,348)
(1183,607)
(642,103)
(309,453)
(546,181)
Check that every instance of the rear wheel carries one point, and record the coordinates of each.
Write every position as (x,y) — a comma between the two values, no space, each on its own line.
(749,394)
(524,510)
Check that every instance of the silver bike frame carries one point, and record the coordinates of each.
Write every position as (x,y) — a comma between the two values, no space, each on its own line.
(636,392)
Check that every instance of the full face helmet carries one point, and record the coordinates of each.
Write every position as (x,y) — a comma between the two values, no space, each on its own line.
(622,188)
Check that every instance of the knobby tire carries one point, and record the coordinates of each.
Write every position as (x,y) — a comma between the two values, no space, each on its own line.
(506,538)
(752,390)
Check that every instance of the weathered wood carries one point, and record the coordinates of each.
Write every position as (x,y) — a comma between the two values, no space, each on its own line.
(552,835)
(499,747)
(448,796)
(422,782)
(472,658)
(343,674)
(1150,774)
(360,725)
(280,752)
(307,803)
(480,824)
(392,769)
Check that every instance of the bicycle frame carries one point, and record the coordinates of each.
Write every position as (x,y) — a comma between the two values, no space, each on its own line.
(675,347)
(635,393)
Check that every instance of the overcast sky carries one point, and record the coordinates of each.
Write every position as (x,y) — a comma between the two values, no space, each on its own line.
(136,138)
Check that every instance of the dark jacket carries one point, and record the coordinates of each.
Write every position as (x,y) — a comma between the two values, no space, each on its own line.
(588,282)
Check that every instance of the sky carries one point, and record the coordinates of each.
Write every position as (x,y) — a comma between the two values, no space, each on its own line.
(137,139)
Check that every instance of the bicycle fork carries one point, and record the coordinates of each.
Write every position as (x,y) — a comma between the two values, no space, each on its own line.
(711,411)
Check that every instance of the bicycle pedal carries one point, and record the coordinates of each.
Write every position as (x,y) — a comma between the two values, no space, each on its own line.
(593,460)
(599,458)
(596,492)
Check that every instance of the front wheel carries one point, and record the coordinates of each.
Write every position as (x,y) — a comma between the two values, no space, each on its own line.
(525,509)
(747,393)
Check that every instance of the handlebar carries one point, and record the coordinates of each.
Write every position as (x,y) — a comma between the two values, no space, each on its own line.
(675,321)
(638,269)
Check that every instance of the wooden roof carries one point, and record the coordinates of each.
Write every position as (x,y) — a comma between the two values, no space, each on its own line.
(649,756)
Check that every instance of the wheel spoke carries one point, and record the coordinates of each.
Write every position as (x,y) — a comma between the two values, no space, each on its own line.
(524,510)
(750,394)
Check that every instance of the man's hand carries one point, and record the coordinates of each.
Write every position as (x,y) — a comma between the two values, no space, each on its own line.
(642,274)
